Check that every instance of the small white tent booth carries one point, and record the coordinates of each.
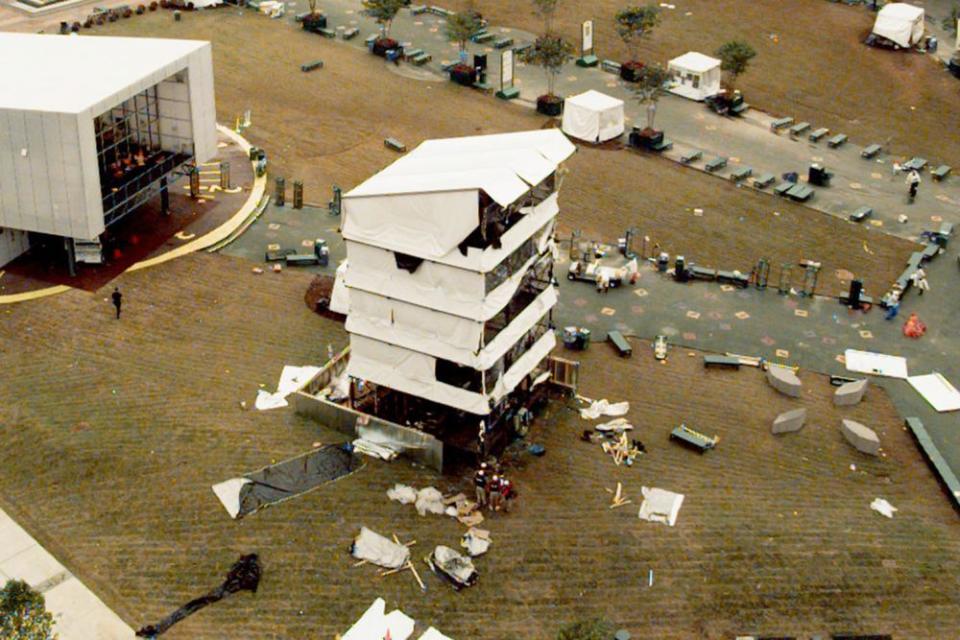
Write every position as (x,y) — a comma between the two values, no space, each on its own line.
(695,76)
(593,116)
(900,23)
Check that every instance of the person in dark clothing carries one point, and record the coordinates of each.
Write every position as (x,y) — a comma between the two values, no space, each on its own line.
(117,300)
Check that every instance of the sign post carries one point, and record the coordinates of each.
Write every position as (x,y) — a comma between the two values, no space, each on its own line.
(587,58)
(507,90)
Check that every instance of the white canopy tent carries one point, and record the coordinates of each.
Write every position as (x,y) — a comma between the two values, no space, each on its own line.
(900,23)
(593,116)
(203,4)
(695,76)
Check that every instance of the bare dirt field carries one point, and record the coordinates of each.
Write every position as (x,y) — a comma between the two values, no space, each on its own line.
(113,432)
(328,127)
(811,63)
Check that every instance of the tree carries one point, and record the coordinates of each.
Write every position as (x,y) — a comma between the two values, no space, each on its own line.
(546,9)
(23,614)
(735,56)
(650,88)
(592,629)
(549,52)
(383,12)
(460,26)
(313,6)
(636,23)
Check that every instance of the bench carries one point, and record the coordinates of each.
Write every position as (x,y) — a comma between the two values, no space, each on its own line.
(940,172)
(691,156)
(300,16)
(620,343)
(764,181)
(693,439)
(396,145)
(663,145)
(914,164)
(522,48)
(588,61)
(503,43)
(703,273)
(735,278)
(369,40)
(739,108)
(817,134)
(741,173)
(412,53)
(782,188)
(861,214)
(930,251)
(418,9)
(279,255)
(723,362)
(780,123)
(716,164)
(310,66)
(837,140)
(302,259)
(482,37)
(327,33)
(871,151)
(944,233)
(439,11)
(800,192)
(421,59)
(799,128)
(610,66)
(351,33)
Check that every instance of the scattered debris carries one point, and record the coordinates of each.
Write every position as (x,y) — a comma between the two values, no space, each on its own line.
(429,500)
(883,507)
(292,379)
(617,425)
(660,506)
(476,541)
(402,493)
(618,497)
(453,566)
(622,450)
(257,271)
(373,548)
(374,449)
(603,407)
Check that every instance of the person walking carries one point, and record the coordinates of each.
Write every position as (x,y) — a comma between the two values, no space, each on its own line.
(913,182)
(506,494)
(919,278)
(493,491)
(893,307)
(117,300)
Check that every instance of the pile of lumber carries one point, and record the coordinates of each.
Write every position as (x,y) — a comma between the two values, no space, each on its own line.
(621,450)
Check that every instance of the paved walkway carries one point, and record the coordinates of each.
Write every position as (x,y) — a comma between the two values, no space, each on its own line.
(78,612)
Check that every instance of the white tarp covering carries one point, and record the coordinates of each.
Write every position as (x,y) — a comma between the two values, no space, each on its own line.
(883,507)
(402,493)
(593,116)
(376,624)
(266,400)
(878,364)
(550,143)
(660,506)
(228,493)
(936,390)
(604,407)
(695,76)
(291,379)
(901,23)
(433,634)
(340,296)
(379,550)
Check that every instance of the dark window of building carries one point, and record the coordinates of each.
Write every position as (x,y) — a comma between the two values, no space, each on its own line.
(459,376)
(407,262)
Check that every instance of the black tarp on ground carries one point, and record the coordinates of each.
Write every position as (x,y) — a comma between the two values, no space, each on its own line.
(294,477)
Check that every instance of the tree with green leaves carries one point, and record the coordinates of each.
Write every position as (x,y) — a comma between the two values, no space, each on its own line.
(735,57)
(383,12)
(312,4)
(23,613)
(460,26)
(550,52)
(592,629)
(650,88)
(636,23)
(546,10)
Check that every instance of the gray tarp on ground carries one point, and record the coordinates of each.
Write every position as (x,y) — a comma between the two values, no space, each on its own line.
(284,480)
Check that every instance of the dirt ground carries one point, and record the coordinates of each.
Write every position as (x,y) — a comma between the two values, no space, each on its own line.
(328,127)
(114,431)
(811,63)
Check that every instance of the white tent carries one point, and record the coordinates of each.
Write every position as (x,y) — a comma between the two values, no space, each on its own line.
(203,4)
(593,116)
(694,76)
(900,23)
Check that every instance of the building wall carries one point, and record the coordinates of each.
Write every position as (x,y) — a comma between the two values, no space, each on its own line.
(13,243)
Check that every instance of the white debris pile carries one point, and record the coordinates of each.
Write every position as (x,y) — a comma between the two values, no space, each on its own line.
(617,425)
(604,407)
(476,541)
(292,379)
(374,548)
(402,493)
(376,623)
(660,506)
(429,500)
(374,449)
(883,507)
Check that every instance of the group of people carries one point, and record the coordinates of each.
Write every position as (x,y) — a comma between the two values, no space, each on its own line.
(494,491)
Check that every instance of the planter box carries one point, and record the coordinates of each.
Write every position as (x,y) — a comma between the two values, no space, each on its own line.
(631,71)
(550,105)
(463,75)
(314,23)
(382,45)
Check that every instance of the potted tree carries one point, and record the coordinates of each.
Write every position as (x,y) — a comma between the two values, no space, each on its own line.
(460,27)
(23,613)
(315,20)
(545,9)
(734,57)
(383,12)
(648,91)
(549,52)
(634,24)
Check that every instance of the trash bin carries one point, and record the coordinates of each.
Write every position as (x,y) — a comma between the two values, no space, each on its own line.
(663,260)
(932,44)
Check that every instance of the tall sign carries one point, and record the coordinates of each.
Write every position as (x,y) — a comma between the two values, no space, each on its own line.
(587,58)
(507,90)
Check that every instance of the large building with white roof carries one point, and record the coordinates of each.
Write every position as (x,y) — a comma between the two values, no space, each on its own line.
(93,127)
(448,284)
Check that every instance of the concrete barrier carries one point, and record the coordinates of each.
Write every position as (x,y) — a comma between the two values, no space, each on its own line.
(850,394)
(789,421)
(862,438)
(785,381)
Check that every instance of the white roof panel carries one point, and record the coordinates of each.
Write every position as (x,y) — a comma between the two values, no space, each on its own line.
(69,74)
(550,143)
(595,101)
(696,62)
(901,11)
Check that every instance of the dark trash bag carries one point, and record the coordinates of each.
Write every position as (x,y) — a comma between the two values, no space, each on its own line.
(244,576)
